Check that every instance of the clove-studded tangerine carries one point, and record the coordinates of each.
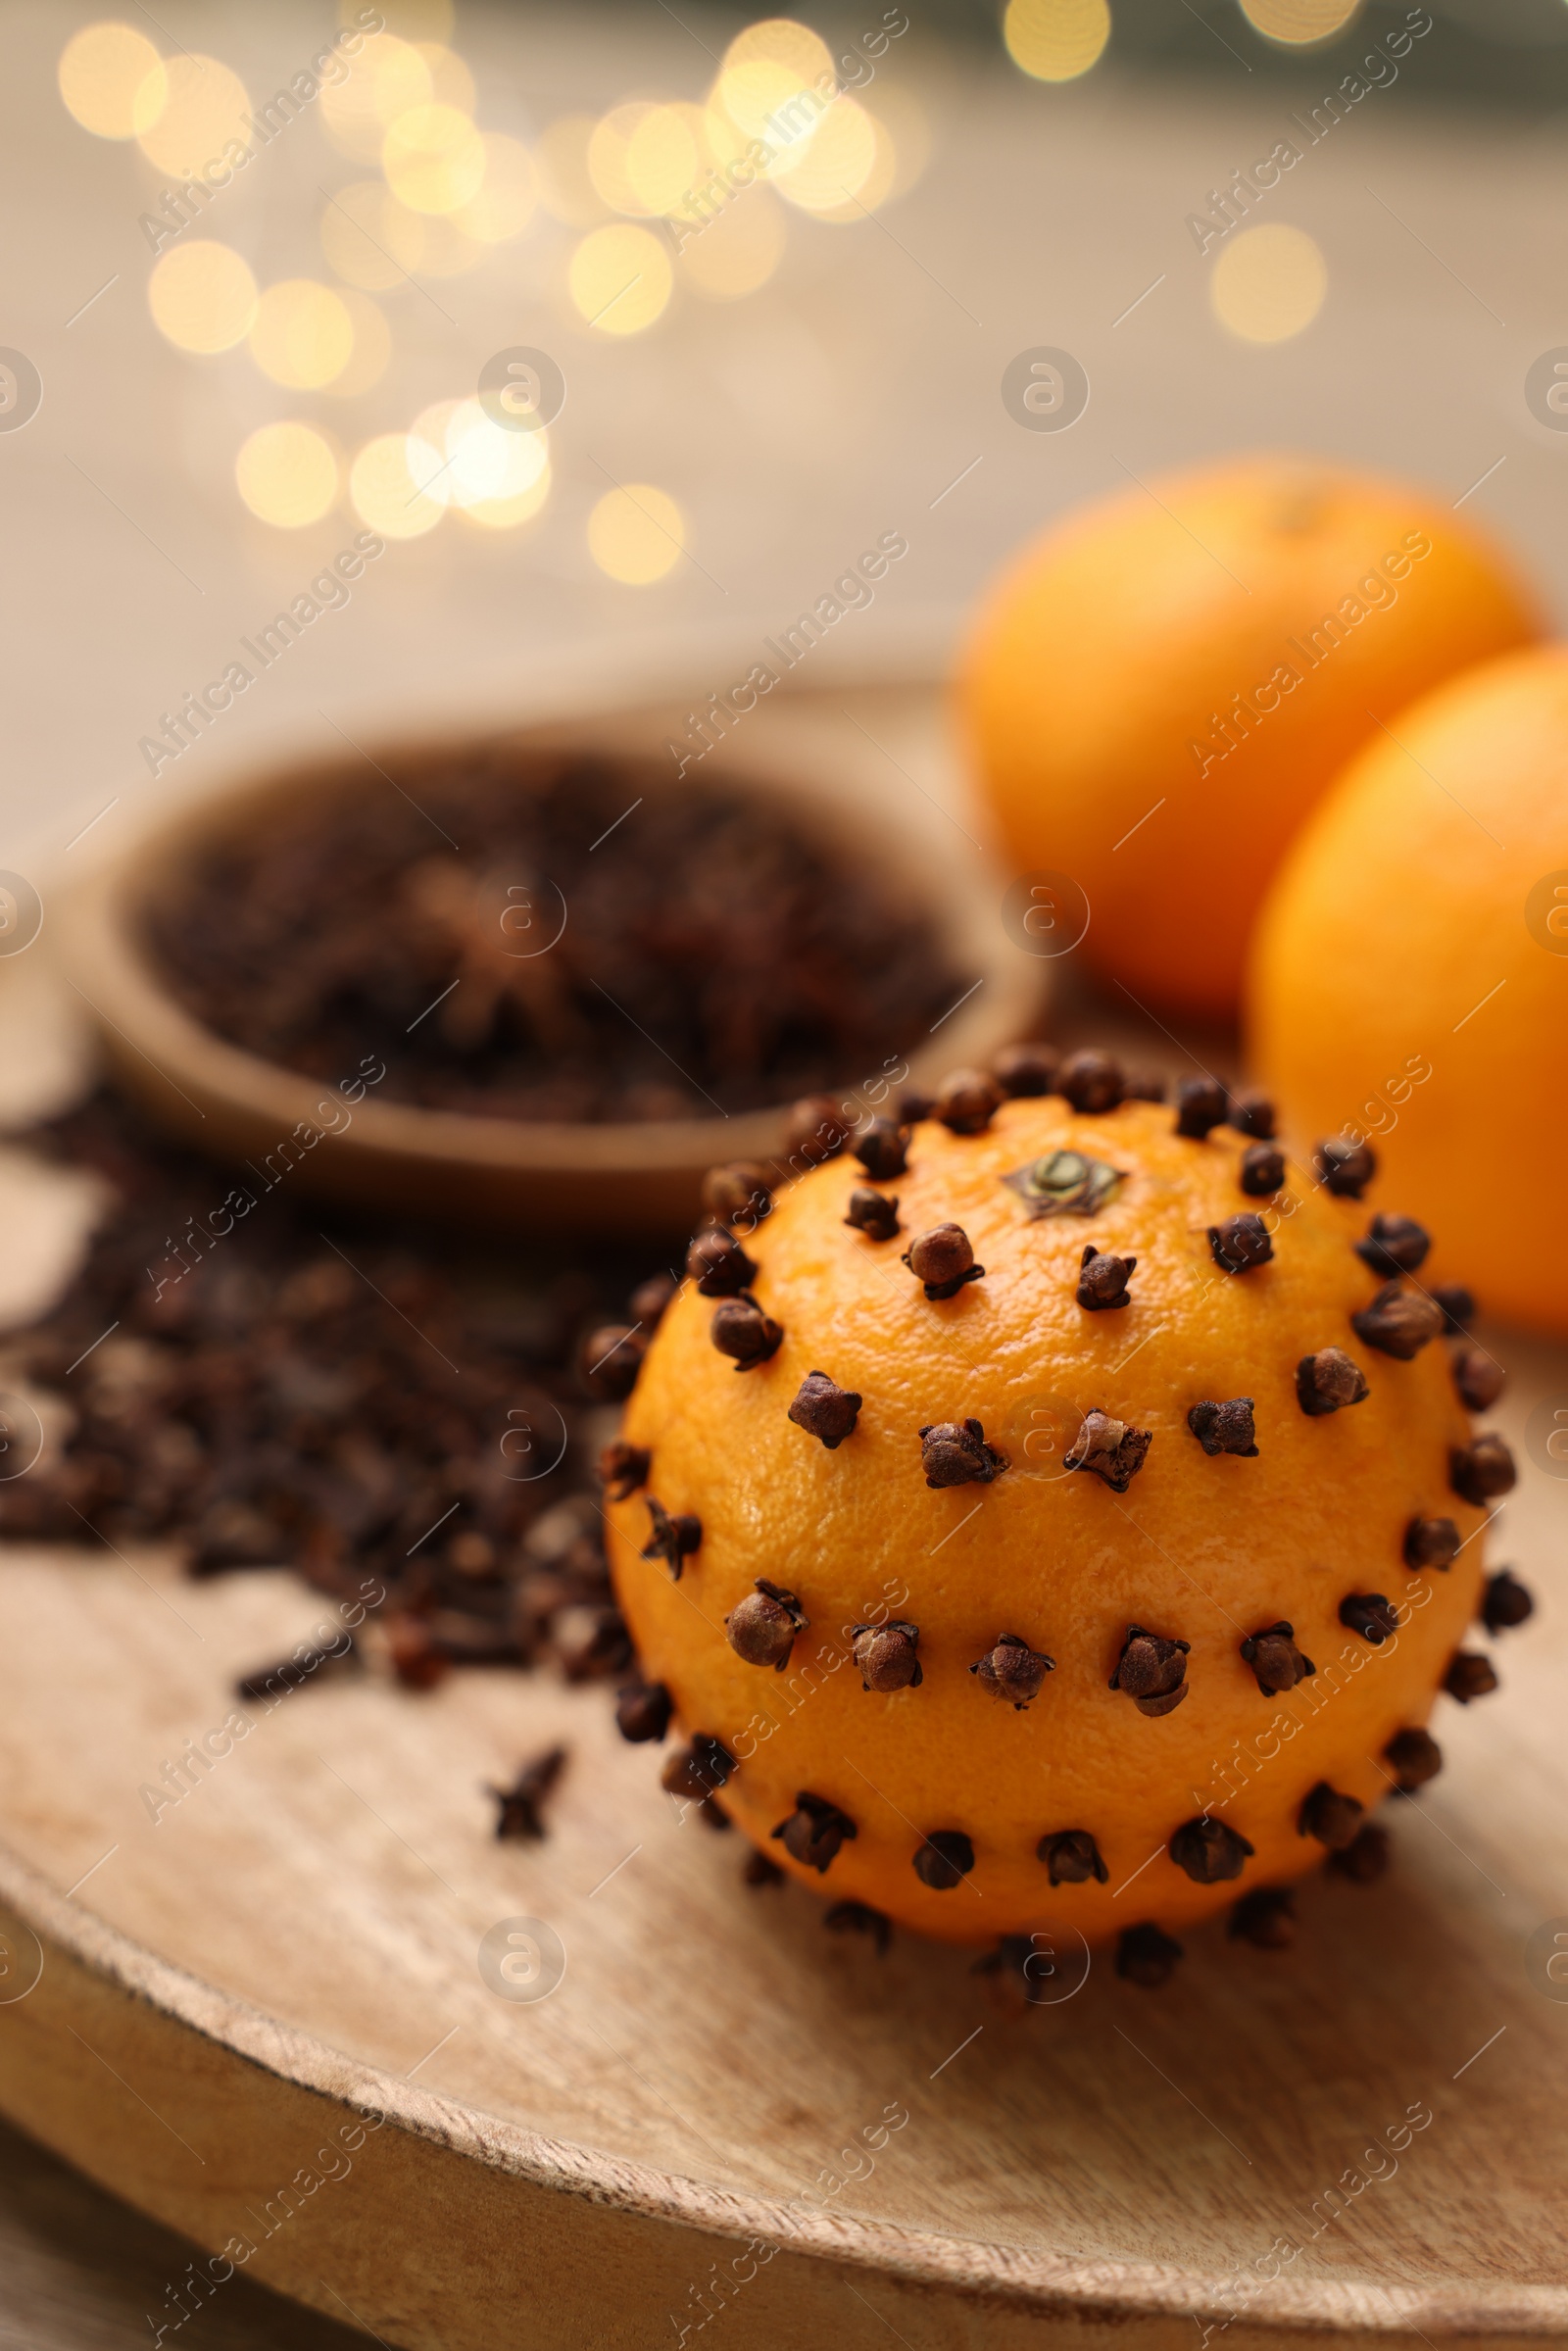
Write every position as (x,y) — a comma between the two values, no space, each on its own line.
(993,1587)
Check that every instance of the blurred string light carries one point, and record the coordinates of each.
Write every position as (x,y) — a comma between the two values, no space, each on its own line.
(508,196)
(636,534)
(738,252)
(433,159)
(390,78)
(206,107)
(113,80)
(372,354)
(837,161)
(202,296)
(480,468)
(1056,41)
(287,474)
(386,485)
(620,278)
(1299,21)
(1269,283)
(302,335)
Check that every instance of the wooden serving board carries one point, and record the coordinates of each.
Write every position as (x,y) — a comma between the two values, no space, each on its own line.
(677,2123)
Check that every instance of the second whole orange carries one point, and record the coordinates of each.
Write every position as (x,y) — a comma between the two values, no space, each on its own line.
(1160,687)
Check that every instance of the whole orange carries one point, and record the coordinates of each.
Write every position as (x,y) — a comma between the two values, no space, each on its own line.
(1410,978)
(1069,1553)
(1159,688)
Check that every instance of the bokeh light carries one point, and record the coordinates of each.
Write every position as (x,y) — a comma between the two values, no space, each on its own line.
(202,296)
(386,485)
(620,277)
(302,334)
(372,354)
(205,109)
(113,80)
(1056,41)
(388,79)
(496,478)
(667,157)
(606,157)
(508,195)
(636,534)
(287,474)
(738,251)
(767,66)
(1268,283)
(371,239)
(448,252)
(1299,21)
(451,81)
(433,158)
(566,190)
(837,161)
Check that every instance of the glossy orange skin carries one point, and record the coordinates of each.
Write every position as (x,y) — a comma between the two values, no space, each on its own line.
(1406,906)
(1207,1549)
(1115,638)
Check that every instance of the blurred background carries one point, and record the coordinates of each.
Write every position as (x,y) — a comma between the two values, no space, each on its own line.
(275,277)
(224,404)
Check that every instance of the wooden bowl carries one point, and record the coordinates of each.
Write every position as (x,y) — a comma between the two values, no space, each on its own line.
(828,781)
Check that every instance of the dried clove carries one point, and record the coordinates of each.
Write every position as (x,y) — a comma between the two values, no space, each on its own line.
(1482,1470)
(758,1871)
(1395,1244)
(643,1710)
(1332,1817)
(1225,1428)
(1012,1671)
(816,1129)
(1505,1602)
(1329,1381)
(1431,1542)
(648,1301)
(1261,1170)
(622,1468)
(1415,1757)
(1253,1113)
(610,1359)
(1345,1167)
(873,1214)
(672,1539)
(1210,1851)
(1151,1670)
(883,1149)
(1102,1280)
(1111,1449)
(1026,1069)
(1092,1082)
(763,1626)
(1276,1661)
(700,1770)
(1398,1322)
(1470,1674)
(954,1452)
(942,1260)
(1370,1614)
(967,1100)
(1240,1243)
(1200,1104)
(1072,1857)
(1365,1858)
(886,1656)
(719,1266)
(815,1830)
(1478,1377)
(519,1806)
(1458,1307)
(824,1409)
(739,1192)
(944,1858)
(742,1329)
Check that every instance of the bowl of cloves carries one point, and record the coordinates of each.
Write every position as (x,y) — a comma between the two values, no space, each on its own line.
(542,972)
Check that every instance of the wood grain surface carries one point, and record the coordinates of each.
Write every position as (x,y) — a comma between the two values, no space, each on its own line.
(301,1931)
